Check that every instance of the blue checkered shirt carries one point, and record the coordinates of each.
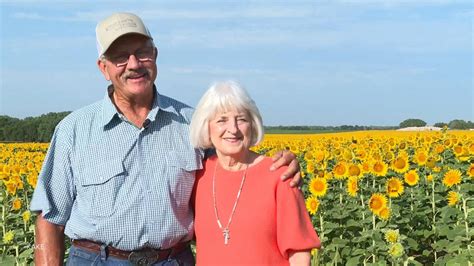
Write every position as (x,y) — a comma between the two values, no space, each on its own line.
(108,181)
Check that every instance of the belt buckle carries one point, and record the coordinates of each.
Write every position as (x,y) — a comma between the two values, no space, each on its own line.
(140,258)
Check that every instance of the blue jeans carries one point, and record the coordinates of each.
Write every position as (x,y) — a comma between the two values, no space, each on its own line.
(80,257)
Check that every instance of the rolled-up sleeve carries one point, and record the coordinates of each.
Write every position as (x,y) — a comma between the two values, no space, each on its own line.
(55,193)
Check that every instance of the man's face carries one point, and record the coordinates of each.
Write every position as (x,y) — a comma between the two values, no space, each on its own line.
(130,64)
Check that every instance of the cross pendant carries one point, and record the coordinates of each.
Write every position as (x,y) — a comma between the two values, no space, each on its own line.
(226,233)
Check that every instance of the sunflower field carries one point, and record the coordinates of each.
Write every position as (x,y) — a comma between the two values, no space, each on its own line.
(374,197)
(387,197)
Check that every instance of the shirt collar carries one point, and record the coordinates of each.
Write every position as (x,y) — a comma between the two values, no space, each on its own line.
(109,111)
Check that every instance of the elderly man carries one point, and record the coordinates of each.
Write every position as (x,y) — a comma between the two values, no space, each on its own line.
(119,173)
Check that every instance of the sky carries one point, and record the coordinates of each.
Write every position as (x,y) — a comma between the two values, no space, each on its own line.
(319,62)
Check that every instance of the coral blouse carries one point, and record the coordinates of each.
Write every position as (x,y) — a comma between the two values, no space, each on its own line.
(269,222)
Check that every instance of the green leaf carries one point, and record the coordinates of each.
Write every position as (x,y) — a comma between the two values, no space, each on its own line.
(354,261)
(339,242)
(7,260)
(413,244)
(441,245)
(412,261)
(427,233)
(26,253)
(457,231)
(443,230)
(426,253)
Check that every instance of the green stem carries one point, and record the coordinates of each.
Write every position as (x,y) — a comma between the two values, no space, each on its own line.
(4,221)
(464,201)
(321,226)
(373,241)
(4,229)
(433,206)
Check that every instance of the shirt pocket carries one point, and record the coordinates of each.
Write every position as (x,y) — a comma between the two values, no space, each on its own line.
(189,162)
(181,174)
(102,183)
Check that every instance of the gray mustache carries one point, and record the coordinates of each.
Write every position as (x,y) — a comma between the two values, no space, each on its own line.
(136,72)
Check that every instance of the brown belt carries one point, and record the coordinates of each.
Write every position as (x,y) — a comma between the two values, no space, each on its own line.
(149,255)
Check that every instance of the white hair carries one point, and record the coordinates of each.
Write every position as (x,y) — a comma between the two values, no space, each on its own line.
(222,97)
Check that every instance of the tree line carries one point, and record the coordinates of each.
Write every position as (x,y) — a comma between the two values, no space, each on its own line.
(41,128)
(30,129)
(453,124)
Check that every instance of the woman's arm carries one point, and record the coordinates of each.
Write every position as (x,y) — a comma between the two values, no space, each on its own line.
(300,258)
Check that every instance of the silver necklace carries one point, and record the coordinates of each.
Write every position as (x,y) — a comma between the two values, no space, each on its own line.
(225,230)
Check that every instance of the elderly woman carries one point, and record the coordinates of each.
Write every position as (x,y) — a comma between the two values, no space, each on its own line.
(244,214)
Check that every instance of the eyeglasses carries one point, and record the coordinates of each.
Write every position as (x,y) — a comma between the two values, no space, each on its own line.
(143,55)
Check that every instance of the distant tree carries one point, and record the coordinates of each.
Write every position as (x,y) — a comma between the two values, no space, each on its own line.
(440,124)
(31,129)
(412,123)
(470,124)
(458,124)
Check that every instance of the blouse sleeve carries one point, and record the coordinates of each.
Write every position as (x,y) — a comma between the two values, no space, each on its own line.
(295,231)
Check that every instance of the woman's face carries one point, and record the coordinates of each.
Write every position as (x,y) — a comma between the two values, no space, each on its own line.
(230,133)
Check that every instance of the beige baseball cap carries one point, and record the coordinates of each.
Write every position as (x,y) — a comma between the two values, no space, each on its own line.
(117,25)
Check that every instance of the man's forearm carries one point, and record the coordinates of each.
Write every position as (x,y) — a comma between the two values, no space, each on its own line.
(49,243)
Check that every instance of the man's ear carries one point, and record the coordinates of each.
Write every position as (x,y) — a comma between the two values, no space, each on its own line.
(156,53)
(103,68)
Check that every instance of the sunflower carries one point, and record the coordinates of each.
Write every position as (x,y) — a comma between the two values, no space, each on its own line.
(347,155)
(403,145)
(340,170)
(8,237)
(318,186)
(400,164)
(453,198)
(11,187)
(429,178)
(392,236)
(421,157)
(396,250)
(377,202)
(439,149)
(361,153)
(319,156)
(458,151)
(452,177)
(394,187)
(365,167)
(32,179)
(354,170)
(309,167)
(470,170)
(312,204)
(384,213)
(16,204)
(352,186)
(411,177)
(447,143)
(26,215)
(431,162)
(379,168)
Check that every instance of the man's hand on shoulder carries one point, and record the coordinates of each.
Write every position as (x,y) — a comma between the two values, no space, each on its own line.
(287,158)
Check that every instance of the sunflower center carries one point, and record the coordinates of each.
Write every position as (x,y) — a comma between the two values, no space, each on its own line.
(378,167)
(318,186)
(400,163)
